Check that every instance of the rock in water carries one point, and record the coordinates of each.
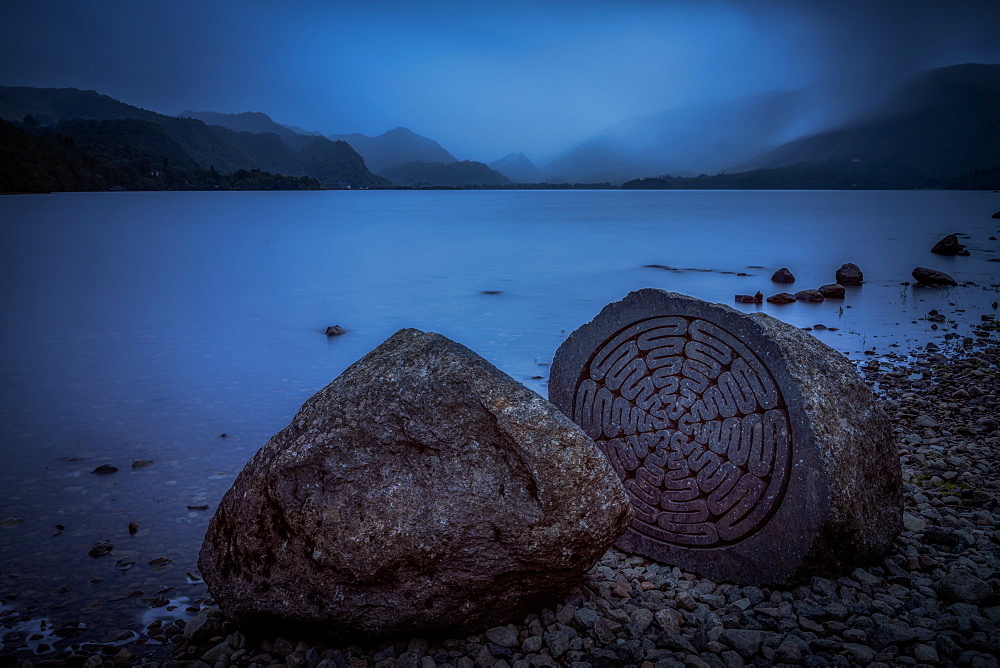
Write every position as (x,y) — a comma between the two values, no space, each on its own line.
(781,298)
(926,276)
(783,275)
(809,296)
(422,489)
(850,275)
(832,291)
(948,246)
(751,451)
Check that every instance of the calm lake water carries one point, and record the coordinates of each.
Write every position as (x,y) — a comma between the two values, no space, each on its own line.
(146,325)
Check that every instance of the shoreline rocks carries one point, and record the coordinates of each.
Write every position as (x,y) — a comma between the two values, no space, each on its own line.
(626,611)
(422,490)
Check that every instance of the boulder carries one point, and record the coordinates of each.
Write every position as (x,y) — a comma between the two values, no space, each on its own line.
(781,298)
(421,490)
(948,246)
(751,451)
(782,276)
(850,275)
(925,276)
(832,291)
(809,296)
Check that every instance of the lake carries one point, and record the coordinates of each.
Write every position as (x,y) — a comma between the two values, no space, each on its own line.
(186,328)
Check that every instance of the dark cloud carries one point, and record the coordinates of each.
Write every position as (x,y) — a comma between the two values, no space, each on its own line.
(483,78)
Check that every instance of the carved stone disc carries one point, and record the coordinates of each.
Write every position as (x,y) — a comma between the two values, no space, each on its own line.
(694,408)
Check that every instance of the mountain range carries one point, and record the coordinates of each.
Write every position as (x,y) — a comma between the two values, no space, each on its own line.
(131,139)
(938,129)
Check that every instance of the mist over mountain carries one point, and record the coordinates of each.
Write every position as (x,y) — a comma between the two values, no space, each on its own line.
(518,168)
(461,174)
(395,148)
(689,140)
(943,122)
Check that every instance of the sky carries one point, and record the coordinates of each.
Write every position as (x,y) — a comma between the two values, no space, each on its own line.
(482,78)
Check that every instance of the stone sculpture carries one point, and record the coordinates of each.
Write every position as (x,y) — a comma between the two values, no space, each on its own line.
(751,452)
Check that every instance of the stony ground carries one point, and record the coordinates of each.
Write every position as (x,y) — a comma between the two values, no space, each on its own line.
(935,600)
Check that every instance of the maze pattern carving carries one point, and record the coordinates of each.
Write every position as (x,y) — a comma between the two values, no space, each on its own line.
(694,424)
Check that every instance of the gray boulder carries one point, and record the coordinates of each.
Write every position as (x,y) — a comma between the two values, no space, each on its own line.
(421,490)
(751,451)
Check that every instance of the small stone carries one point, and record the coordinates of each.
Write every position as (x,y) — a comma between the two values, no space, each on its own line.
(746,642)
(924,654)
(335,330)
(913,523)
(531,644)
(142,463)
(159,562)
(133,528)
(781,298)
(860,653)
(11,522)
(585,617)
(961,586)
(101,549)
(893,634)
(504,636)
(105,469)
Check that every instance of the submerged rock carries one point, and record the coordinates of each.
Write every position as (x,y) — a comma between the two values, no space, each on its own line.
(751,451)
(850,275)
(949,246)
(925,276)
(422,489)
(782,276)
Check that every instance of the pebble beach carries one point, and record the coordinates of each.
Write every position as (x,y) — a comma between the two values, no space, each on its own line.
(934,600)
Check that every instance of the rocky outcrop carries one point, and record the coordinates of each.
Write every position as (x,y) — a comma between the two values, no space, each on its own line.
(949,246)
(850,275)
(751,451)
(925,276)
(421,490)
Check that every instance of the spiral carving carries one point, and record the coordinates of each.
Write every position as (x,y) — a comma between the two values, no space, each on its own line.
(695,426)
